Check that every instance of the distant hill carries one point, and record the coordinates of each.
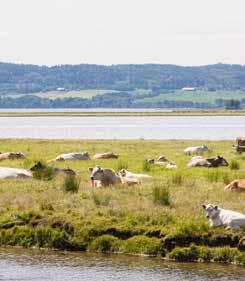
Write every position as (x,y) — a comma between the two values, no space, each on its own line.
(21,78)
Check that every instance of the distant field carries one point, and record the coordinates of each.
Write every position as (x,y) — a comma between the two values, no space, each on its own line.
(88,94)
(197,96)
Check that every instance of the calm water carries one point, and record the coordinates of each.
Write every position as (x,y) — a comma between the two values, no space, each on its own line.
(29,265)
(146,127)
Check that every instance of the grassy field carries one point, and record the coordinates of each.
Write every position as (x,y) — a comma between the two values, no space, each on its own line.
(195,96)
(87,94)
(161,217)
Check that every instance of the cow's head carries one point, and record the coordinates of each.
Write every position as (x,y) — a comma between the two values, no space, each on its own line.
(96,173)
(222,161)
(212,211)
(122,173)
(39,165)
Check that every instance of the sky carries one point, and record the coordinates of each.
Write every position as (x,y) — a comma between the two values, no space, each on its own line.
(182,32)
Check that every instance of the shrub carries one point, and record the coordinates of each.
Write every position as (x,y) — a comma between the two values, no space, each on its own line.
(71,184)
(234,165)
(142,245)
(161,195)
(105,243)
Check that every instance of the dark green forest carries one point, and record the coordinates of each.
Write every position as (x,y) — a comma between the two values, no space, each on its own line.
(28,79)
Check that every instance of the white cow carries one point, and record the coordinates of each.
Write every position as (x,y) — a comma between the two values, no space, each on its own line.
(125,173)
(72,156)
(196,149)
(8,173)
(171,165)
(228,218)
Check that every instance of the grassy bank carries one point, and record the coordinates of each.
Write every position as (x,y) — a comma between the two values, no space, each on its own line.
(160,217)
(121,114)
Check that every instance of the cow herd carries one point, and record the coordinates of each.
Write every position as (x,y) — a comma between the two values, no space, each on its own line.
(102,177)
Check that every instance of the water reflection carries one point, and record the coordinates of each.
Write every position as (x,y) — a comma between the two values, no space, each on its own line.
(35,265)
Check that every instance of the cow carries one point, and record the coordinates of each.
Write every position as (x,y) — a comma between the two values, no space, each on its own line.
(162,159)
(218,217)
(127,174)
(218,161)
(238,185)
(108,177)
(11,156)
(107,155)
(13,173)
(72,156)
(198,161)
(41,167)
(196,149)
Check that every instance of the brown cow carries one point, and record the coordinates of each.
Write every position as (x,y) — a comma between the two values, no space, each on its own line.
(11,156)
(238,185)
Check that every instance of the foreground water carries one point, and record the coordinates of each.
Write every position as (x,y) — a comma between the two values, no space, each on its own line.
(40,266)
(146,127)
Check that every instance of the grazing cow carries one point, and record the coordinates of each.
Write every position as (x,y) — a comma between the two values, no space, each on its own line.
(11,156)
(217,161)
(41,167)
(196,149)
(107,155)
(238,185)
(12,173)
(108,177)
(219,217)
(127,174)
(72,156)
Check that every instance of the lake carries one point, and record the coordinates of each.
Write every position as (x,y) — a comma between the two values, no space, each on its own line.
(21,264)
(128,127)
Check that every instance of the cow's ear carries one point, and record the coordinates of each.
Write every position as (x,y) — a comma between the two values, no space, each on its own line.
(216,207)
(90,169)
(204,207)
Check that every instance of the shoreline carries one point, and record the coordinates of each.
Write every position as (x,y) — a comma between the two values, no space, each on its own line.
(125,113)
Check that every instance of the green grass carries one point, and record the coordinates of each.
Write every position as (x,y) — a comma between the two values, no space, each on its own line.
(87,94)
(196,96)
(166,209)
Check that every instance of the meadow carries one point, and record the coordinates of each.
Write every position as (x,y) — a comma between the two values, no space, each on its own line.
(161,217)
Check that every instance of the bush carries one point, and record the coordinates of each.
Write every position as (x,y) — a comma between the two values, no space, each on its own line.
(185,254)
(70,184)
(234,165)
(105,243)
(225,254)
(142,245)
(161,195)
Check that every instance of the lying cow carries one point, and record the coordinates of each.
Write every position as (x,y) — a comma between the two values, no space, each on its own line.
(219,217)
(72,156)
(196,149)
(41,167)
(107,155)
(236,185)
(198,161)
(11,156)
(108,177)
(12,173)
(171,165)
(127,174)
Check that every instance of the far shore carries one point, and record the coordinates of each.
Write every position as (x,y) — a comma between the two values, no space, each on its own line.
(125,113)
